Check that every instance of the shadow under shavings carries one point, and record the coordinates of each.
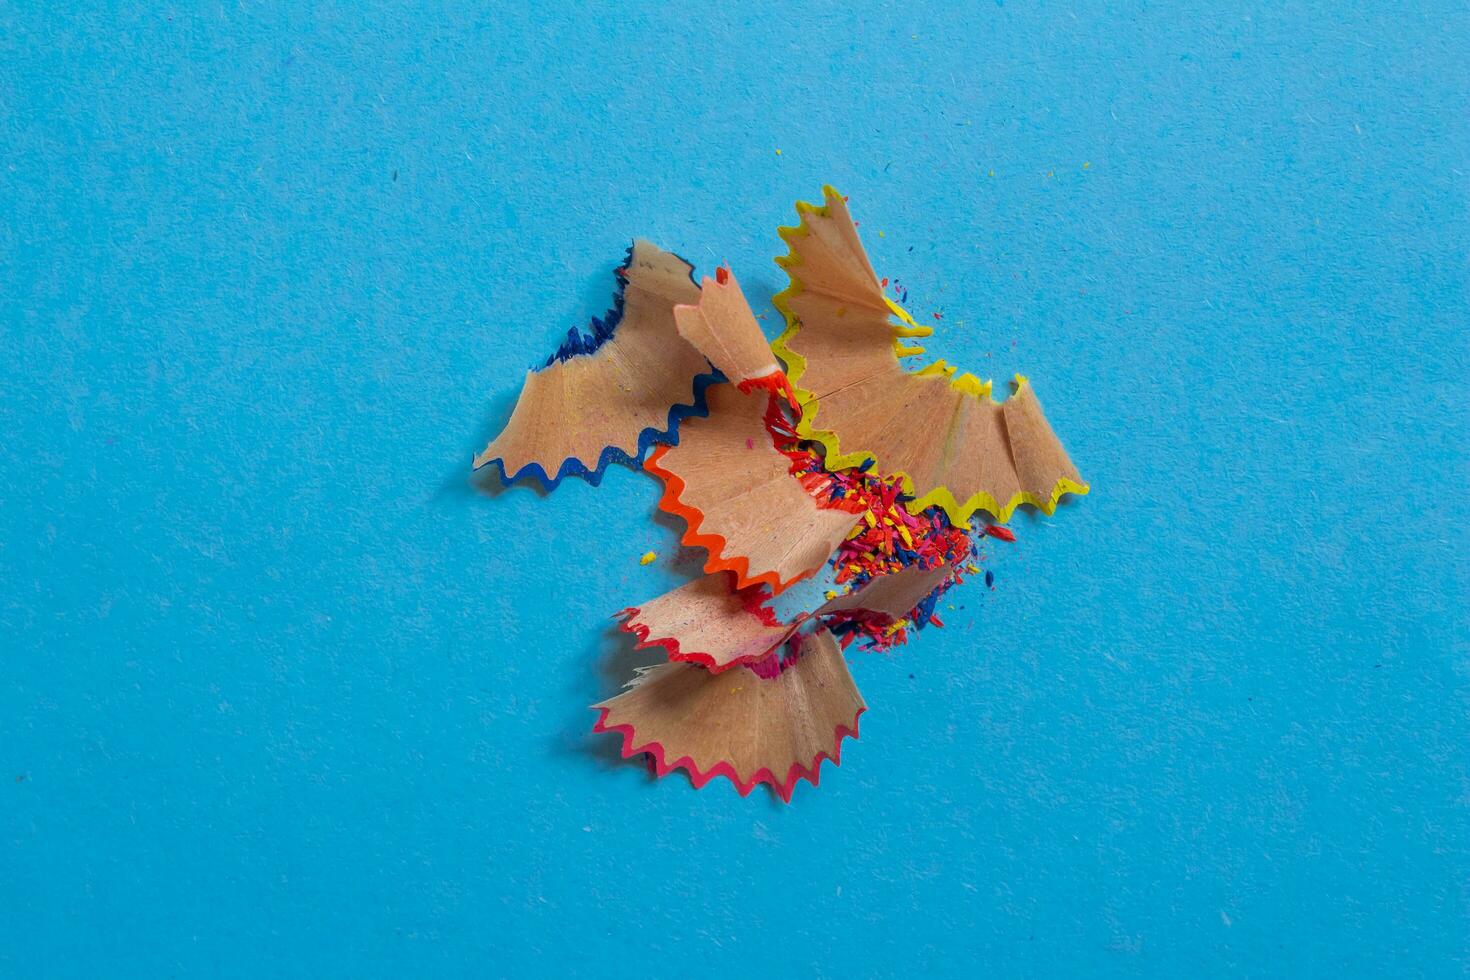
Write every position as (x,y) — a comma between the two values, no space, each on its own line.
(760,283)
(1070,500)
(686,562)
(613,662)
(1033,517)
(464,481)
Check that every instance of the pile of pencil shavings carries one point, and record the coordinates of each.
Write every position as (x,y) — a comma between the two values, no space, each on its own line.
(844,458)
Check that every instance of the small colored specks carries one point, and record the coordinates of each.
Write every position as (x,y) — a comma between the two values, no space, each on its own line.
(648,558)
(885,539)
(880,234)
(989,579)
(1085,165)
(1002,533)
(992,173)
(750,444)
(778,153)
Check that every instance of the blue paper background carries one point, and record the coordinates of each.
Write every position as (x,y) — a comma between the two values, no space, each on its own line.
(282,695)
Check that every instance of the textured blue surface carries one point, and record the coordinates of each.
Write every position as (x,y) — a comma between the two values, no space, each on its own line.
(284,695)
